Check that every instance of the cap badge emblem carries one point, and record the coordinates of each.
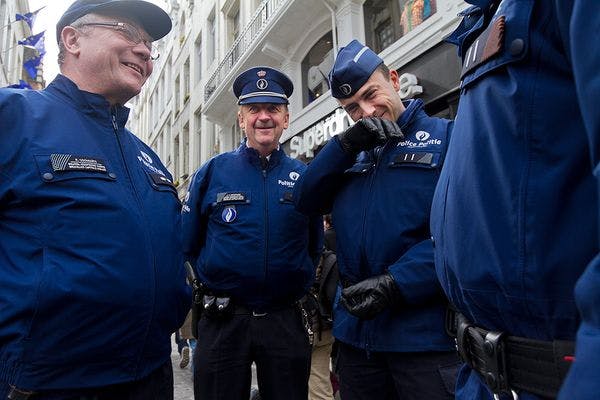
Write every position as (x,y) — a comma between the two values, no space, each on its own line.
(262,84)
(261,73)
(346,89)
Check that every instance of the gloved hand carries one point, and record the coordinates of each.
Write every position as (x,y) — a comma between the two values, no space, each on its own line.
(368,298)
(368,133)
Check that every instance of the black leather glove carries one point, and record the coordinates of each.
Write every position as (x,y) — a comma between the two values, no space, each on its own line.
(368,133)
(368,298)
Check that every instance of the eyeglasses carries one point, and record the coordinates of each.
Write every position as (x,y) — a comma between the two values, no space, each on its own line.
(130,32)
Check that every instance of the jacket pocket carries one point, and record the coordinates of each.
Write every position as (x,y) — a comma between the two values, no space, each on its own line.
(63,167)
(505,41)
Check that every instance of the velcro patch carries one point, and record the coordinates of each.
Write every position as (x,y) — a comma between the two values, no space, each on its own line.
(488,44)
(414,158)
(229,197)
(70,162)
(159,179)
(288,196)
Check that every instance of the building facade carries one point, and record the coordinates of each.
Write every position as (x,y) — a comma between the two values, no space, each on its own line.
(12,54)
(188,113)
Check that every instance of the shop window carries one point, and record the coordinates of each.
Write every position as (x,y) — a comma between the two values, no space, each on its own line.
(315,69)
(414,12)
(386,21)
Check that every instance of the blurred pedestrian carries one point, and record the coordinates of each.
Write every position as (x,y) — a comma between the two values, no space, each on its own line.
(188,342)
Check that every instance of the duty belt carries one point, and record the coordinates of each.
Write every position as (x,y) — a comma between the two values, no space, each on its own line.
(509,363)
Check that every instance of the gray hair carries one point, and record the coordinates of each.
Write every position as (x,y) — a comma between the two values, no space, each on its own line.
(87,18)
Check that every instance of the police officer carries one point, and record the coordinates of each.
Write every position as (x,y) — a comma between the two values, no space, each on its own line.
(514,216)
(255,254)
(377,178)
(91,267)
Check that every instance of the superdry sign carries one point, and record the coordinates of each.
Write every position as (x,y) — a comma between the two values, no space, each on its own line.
(306,142)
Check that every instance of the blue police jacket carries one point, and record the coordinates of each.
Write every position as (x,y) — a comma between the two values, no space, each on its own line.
(514,216)
(380,204)
(242,233)
(90,253)
(578,23)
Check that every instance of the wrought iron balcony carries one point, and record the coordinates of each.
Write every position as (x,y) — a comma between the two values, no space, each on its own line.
(243,43)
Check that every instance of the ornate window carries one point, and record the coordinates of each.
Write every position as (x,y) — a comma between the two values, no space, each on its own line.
(315,69)
(386,21)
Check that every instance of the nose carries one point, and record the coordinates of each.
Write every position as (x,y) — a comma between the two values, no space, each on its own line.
(264,115)
(366,109)
(142,50)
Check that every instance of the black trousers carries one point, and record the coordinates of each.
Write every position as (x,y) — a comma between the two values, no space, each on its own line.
(156,386)
(388,376)
(277,342)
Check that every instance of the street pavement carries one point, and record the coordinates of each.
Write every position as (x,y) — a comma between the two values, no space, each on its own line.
(182,377)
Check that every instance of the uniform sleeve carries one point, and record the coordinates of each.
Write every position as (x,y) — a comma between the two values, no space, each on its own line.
(315,191)
(578,33)
(193,219)
(415,274)
(315,239)
(10,115)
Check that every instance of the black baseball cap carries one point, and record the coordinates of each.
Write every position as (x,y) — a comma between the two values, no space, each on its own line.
(155,21)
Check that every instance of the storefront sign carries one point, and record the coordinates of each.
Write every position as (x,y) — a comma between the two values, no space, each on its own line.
(409,86)
(306,142)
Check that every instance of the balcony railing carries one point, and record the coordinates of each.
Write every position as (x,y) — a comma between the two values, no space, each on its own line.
(259,21)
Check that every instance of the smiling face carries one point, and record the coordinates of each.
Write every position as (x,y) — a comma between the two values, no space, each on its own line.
(378,97)
(104,61)
(263,124)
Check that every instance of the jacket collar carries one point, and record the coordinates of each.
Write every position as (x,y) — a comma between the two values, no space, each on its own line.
(414,110)
(253,156)
(89,103)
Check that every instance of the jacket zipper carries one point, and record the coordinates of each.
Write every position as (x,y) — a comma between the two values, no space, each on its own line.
(113,114)
(266,222)
(377,152)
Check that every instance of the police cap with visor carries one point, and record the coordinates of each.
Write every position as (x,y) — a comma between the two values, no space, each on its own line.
(262,85)
(353,67)
(153,19)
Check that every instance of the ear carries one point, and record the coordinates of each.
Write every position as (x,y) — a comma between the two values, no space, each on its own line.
(395,79)
(286,119)
(240,118)
(70,38)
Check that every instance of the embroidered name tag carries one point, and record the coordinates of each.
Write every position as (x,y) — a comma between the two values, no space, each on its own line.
(70,162)
(488,44)
(227,197)
(414,158)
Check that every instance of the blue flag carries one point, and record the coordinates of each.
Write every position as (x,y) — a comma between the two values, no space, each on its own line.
(32,40)
(28,18)
(40,46)
(31,66)
(21,85)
